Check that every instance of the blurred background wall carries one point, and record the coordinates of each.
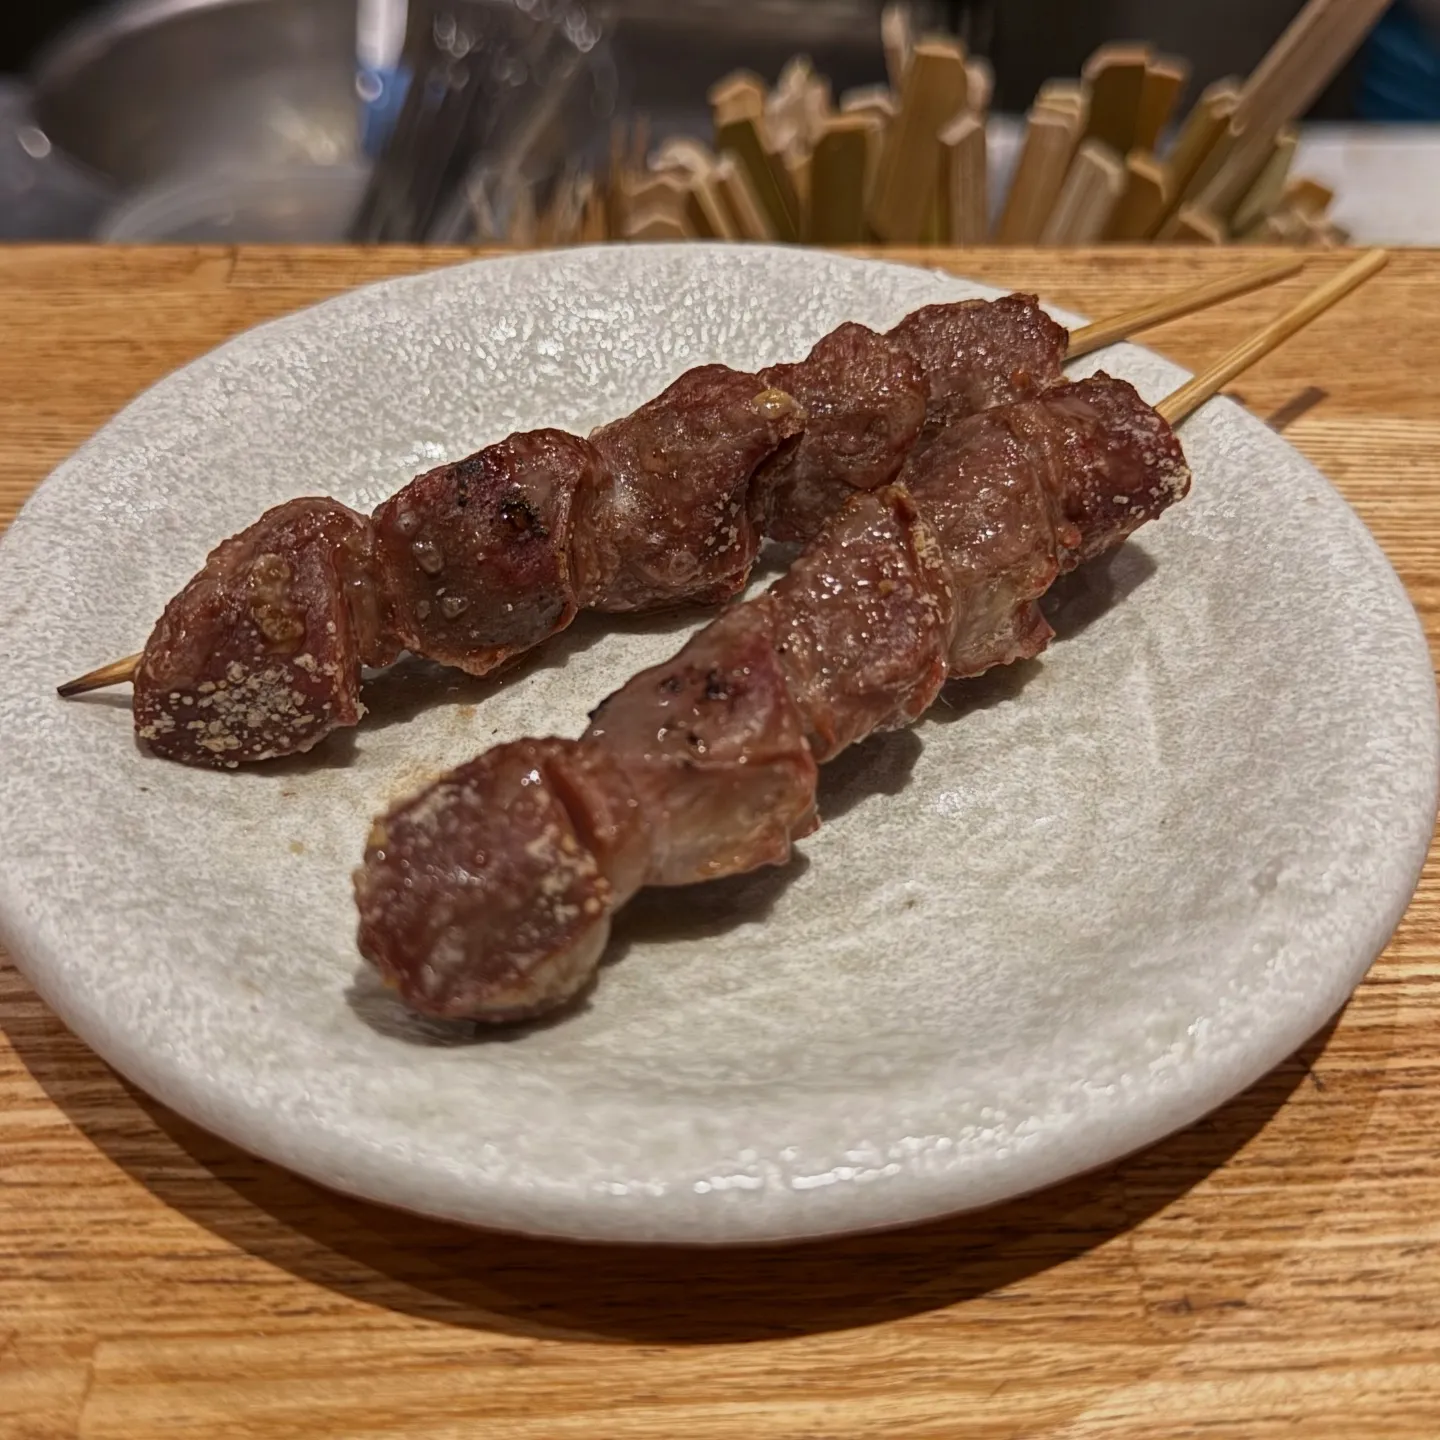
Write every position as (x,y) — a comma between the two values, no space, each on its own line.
(214,119)
(1027,40)
(26,24)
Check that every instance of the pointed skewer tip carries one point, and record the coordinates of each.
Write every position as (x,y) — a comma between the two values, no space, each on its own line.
(115,673)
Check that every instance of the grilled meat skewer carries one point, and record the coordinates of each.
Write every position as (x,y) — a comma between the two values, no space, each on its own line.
(490,894)
(863,395)
(477,561)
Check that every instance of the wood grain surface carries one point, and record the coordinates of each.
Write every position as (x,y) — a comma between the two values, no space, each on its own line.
(1274,1271)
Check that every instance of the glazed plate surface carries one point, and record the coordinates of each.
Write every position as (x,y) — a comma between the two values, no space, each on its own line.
(1084,902)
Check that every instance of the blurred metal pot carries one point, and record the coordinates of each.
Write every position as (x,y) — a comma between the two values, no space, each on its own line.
(151,88)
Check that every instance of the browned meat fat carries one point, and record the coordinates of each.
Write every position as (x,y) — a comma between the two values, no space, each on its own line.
(1018,494)
(862,622)
(713,747)
(1114,462)
(477,553)
(260,654)
(864,401)
(673,518)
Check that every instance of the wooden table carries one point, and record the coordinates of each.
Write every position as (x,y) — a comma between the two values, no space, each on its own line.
(1273,1271)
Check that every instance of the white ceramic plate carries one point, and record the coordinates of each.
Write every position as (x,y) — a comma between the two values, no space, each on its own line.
(1084,905)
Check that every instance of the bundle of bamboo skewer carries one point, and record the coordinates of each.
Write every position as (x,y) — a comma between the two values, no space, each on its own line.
(907,163)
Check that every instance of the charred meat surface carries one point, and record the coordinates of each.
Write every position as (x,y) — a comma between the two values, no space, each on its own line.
(863,623)
(476,555)
(260,654)
(1119,464)
(1021,493)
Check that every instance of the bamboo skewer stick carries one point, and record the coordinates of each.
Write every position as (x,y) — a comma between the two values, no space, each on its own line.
(1309,197)
(1232,169)
(1265,194)
(739,93)
(1195,225)
(1050,137)
(1202,130)
(1281,227)
(694,165)
(1088,197)
(1171,307)
(650,191)
(818,109)
(1089,167)
(840,167)
(1326,233)
(1145,200)
(963,184)
(877,100)
(1065,97)
(658,225)
(1216,185)
(876,104)
(797,167)
(1082,342)
(1287,80)
(117,672)
(787,106)
(737,194)
(681,153)
(935,91)
(1192,395)
(1116,75)
(979,83)
(706,210)
(746,140)
(1165,78)
(1303,61)
(897,38)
